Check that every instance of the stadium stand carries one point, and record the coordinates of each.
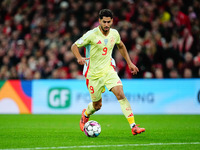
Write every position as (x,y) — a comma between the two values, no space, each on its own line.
(162,37)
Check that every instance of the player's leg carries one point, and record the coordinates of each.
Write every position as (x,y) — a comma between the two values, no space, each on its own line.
(95,89)
(126,109)
(124,103)
(114,84)
(92,107)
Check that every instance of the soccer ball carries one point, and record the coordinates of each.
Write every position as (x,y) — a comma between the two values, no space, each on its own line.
(92,128)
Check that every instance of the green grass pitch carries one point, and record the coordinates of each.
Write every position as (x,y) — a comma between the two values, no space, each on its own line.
(33,132)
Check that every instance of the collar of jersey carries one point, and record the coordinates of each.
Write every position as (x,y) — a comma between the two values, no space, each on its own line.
(102,33)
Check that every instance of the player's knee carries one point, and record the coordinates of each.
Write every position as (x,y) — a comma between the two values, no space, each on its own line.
(120,95)
(97,106)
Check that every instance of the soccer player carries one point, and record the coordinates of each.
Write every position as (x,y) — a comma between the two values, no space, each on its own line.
(99,67)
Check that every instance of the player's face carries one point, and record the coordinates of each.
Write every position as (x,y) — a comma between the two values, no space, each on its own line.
(105,23)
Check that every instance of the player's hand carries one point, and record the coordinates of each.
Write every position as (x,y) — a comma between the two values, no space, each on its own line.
(133,68)
(82,60)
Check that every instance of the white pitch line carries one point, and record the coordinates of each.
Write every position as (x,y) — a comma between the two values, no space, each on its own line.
(95,146)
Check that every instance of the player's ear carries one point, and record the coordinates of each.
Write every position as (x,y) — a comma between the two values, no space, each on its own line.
(99,20)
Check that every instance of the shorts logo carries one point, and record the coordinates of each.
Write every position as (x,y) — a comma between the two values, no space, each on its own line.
(119,82)
(93,97)
(99,42)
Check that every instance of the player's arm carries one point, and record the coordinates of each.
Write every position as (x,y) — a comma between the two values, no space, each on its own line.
(124,53)
(81,60)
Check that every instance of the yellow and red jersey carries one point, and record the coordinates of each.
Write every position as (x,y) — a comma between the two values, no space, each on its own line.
(99,49)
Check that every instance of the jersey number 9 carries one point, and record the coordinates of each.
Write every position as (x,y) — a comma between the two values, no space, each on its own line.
(105,49)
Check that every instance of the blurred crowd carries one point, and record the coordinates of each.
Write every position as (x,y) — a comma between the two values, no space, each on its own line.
(161,36)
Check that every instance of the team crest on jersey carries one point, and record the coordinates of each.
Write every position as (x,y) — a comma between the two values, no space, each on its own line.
(112,40)
(105,41)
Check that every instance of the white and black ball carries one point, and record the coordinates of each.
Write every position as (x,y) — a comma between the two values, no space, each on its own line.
(92,128)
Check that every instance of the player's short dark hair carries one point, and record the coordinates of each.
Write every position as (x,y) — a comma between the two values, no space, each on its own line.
(105,13)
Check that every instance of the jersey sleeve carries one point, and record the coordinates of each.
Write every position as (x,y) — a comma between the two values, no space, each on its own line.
(118,39)
(84,40)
